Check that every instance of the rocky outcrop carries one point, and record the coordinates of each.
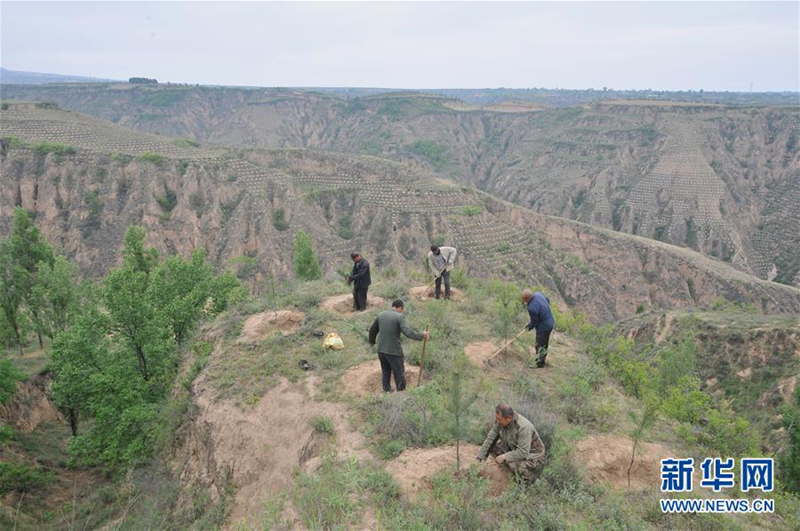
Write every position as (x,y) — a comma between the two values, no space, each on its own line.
(30,405)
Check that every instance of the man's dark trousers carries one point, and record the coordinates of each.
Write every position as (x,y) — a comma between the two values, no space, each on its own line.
(542,343)
(446,277)
(360,298)
(392,365)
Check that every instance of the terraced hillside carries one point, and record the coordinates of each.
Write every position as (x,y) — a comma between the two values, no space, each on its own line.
(722,180)
(86,180)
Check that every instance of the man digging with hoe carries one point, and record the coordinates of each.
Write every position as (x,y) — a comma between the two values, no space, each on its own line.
(442,261)
(389,324)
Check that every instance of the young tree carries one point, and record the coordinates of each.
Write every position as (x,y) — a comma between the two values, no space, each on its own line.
(459,402)
(506,307)
(642,423)
(306,265)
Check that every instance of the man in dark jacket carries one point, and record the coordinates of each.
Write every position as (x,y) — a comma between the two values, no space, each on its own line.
(389,324)
(361,280)
(542,320)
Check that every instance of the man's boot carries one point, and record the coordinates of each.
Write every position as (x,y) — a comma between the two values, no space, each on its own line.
(541,353)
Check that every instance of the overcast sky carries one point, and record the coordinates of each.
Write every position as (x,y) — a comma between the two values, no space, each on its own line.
(668,45)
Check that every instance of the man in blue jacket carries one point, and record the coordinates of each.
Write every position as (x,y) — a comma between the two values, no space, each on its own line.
(542,320)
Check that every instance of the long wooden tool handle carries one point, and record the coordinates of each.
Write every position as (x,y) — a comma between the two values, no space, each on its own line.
(425,293)
(504,347)
(422,358)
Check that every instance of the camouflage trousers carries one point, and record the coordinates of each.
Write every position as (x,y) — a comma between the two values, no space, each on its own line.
(527,470)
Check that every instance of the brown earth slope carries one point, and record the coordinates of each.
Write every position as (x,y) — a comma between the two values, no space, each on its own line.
(723,180)
(253,203)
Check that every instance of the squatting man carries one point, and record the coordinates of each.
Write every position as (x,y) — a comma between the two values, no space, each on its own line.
(514,443)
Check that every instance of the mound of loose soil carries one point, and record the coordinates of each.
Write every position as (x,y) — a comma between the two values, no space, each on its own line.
(344,303)
(261,325)
(414,468)
(365,379)
(479,351)
(607,457)
(419,291)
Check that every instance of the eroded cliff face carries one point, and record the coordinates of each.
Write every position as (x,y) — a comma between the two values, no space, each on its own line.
(254,205)
(30,405)
(630,271)
(722,180)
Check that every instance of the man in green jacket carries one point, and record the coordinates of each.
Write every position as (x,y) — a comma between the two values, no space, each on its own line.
(389,324)
(514,441)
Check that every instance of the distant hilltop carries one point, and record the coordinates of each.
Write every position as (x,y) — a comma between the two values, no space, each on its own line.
(540,97)
(14,77)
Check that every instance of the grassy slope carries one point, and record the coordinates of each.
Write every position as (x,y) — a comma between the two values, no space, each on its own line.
(343,493)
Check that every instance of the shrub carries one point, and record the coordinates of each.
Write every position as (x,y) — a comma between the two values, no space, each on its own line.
(459,278)
(306,265)
(21,477)
(153,158)
(44,148)
(790,459)
(279,219)
(471,210)
(185,143)
(323,425)
(168,201)
(432,152)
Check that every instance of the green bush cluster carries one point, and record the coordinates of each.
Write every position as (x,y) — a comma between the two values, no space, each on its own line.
(44,148)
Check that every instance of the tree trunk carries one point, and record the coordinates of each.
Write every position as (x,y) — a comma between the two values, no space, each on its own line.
(73,421)
(39,335)
(142,363)
(19,338)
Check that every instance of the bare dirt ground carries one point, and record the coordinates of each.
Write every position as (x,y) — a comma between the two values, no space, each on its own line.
(479,351)
(259,448)
(365,379)
(261,325)
(344,303)
(606,459)
(414,468)
(419,291)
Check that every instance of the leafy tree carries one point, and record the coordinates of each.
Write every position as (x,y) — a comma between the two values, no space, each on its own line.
(181,288)
(141,324)
(135,254)
(306,265)
(14,280)
(57,291)
(25,250)
(676,362)
(79,354)
(27,245)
